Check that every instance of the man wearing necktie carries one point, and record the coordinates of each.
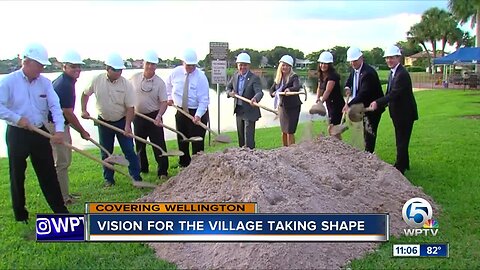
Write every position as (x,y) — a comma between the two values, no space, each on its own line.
(245,83)
(188,88)
(401,105)
(364,82)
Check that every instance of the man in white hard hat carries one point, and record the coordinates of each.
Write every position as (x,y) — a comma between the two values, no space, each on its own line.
(187,87)
(25,99)
(401,105)
(64,86)
(151,96)
(363,86)
(115,101)
(245,83)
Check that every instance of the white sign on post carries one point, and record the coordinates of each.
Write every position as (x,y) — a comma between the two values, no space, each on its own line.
(219,72)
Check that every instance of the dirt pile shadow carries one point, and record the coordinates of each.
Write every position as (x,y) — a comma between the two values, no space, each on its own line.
(321,176)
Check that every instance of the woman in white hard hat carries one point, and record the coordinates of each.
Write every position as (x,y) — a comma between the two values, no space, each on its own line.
(288,106)
(328,90)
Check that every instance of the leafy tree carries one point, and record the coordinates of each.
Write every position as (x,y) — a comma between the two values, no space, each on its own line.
(417,35)
(374,56)
(467,10)
(409,48)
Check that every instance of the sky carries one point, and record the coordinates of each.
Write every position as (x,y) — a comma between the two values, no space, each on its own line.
(96,28)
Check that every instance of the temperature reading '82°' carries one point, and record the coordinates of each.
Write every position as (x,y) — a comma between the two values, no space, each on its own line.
(433,250)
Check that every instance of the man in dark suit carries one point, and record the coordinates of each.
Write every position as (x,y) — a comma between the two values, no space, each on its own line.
(363,86)
(246,84)
(401,105)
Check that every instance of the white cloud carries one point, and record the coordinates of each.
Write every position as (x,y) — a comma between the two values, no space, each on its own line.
(131,27)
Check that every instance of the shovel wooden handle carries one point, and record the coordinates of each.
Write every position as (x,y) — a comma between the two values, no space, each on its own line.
(100,146)
(88,155)
(140,139)
(163,125)
(256,104)
(291,93)
(191,118)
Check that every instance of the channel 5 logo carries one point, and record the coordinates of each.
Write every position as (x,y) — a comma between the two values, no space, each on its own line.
(417,213)
(60,227)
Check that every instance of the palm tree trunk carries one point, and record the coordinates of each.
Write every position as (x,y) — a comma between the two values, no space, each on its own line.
(477,34)
(477,28)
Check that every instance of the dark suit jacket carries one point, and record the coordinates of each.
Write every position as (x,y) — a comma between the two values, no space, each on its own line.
(369,87)
(251,88)
(399,98)
(293,84)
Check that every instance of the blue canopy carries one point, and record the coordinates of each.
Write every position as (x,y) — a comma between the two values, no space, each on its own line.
(465,55)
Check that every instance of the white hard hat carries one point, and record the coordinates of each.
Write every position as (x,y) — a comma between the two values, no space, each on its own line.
(392,51)
(37,52)
(115,61)
(325,57)
(287,59)
(71,57)
(151,57)
(190,57)
(243,58)
(353,53)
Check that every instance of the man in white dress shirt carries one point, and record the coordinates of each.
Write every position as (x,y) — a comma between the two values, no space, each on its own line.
(187,87)
(26,97)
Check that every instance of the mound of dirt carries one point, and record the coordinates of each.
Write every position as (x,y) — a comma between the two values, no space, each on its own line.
(321,176)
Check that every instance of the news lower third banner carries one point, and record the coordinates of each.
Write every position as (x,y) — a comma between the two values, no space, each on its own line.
(206,222)
(237,227)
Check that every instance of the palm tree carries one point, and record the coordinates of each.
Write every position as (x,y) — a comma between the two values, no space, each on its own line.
(417,35)
(466,10)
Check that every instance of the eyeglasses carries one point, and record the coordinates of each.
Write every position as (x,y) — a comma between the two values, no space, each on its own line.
(146,85)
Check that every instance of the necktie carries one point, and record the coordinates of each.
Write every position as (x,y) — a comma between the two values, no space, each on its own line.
(390,77)
(185,94)
(355,84)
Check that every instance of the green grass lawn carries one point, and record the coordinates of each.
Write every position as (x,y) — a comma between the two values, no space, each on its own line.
(444,161)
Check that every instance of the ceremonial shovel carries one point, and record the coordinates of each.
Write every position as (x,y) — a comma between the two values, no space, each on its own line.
(256,104)
(218,137)
(169,153)
(357,111)
(184,138)
(108,165)
(304,92)
(112,159)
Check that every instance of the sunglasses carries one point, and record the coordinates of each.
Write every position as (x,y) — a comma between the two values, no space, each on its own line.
(115,70)
(73,66)
(146,85)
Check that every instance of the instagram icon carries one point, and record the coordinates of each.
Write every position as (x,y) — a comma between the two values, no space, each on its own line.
(60,227)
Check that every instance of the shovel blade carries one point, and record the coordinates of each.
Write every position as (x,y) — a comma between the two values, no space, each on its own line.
(141,184)
(117,159)
(338,129)
(193,139)
(173,153)
(223,139)
(318,109)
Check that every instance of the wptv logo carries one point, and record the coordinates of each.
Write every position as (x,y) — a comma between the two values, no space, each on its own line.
(417,213)
(60,227)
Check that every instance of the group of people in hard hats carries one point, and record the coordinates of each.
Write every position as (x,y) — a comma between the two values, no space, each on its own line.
(363,87)
(29,101)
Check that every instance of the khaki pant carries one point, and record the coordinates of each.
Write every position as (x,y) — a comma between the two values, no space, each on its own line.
(62,156)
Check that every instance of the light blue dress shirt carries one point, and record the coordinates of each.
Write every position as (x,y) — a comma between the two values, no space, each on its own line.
(32,100)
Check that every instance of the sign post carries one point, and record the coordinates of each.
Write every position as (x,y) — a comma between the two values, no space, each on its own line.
(218,52)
